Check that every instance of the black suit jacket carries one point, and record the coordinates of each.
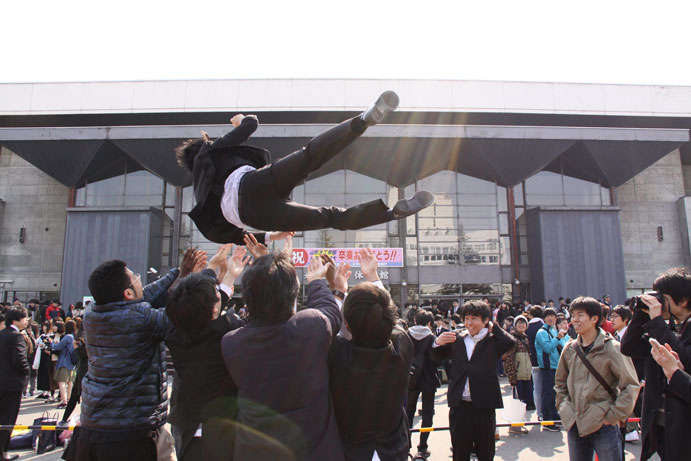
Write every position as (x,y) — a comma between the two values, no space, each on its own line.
(212,166)
(369,388)
(677,412)
(481,369)
(14,365)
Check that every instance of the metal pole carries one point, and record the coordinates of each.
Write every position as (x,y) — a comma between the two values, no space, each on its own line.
(177,228)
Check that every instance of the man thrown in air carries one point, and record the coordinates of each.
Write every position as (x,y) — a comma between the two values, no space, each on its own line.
(236,186)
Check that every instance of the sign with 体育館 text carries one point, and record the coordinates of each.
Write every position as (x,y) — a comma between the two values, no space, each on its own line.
(386,257)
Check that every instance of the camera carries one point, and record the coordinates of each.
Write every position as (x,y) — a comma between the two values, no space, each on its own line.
(637,303)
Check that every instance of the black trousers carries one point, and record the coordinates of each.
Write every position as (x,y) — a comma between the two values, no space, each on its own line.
(472,429)
(264,195)
(427,413)
(9,409)
(104,447)
(393,447)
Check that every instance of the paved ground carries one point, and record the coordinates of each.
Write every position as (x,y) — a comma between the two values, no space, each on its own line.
(537,444)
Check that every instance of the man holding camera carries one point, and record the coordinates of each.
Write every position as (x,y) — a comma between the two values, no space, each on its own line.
(665,417)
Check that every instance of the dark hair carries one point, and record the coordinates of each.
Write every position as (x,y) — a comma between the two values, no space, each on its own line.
(424,318)
(550,301)
(437,317)
(477,308)
(69,327)
(270,287)
(190,305)
(370,314)
(79,305)
(456,318)
(61,327)
(108,282)
(47,325)
(590,306)
(535,311)
(187,151)
(676,283)
(13,314)
(547,312)
(623,312)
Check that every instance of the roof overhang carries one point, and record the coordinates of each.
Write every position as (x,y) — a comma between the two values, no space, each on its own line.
(398,154)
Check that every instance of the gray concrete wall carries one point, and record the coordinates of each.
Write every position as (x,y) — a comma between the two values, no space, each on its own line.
(37,202)
(647,201)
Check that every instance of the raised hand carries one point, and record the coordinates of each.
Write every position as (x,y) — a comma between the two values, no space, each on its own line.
(191,260)
(255,248)
(317,269)
(337,277)
(236,120)
(288,246)
(220,257)
(368,264)
(236,264)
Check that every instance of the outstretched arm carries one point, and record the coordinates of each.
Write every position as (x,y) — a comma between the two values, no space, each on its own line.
(244,127)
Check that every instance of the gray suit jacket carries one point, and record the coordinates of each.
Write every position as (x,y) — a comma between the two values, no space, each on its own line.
(285,409)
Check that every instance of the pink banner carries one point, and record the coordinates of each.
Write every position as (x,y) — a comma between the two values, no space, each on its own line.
(387,257)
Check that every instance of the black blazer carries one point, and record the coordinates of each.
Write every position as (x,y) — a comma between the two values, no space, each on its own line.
(677,412)
(368,387)
(481,369)
(212,166)
(14,365)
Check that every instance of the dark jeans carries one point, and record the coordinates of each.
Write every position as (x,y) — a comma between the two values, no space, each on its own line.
(472,429)
(9,409)
(427,414)
(549,408)
(606,442)
(264,194)
(524,391)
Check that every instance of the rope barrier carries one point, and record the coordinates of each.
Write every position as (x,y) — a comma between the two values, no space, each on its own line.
(5,427)
(519,424)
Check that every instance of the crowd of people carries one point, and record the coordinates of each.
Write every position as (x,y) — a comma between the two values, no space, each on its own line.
(343,376)
(340,377)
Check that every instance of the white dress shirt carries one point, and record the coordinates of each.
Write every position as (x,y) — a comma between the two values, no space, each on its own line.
(470,342)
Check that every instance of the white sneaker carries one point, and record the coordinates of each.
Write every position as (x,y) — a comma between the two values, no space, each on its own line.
(632,437)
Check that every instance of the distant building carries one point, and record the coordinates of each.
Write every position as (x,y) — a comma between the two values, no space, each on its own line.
(542,189)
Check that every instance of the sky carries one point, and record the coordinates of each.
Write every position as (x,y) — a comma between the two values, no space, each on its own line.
(605,41)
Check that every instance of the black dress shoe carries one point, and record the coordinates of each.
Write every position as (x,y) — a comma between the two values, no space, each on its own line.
(409,206)
(6,457)
(386,103)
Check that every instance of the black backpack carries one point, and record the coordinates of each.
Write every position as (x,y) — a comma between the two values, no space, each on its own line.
(416,368)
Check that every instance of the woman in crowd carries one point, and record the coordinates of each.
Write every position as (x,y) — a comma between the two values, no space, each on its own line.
(519,368)
(43,379)
(82,366)
(64,365)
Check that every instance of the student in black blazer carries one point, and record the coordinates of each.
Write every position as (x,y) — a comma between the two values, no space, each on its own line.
(368,375)
(235,185)
(14,368)
(474,391)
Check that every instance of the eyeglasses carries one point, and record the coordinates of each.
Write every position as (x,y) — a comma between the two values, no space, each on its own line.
(136,277)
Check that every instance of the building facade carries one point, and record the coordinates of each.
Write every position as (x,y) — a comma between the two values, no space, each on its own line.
(541,190)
